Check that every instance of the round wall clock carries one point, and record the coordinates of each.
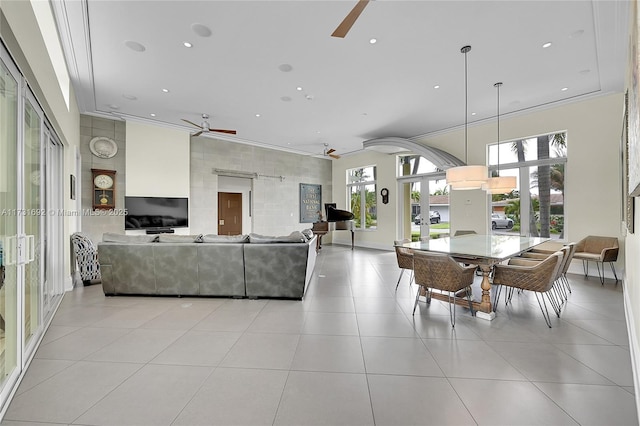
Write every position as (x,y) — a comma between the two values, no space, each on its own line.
(103,147)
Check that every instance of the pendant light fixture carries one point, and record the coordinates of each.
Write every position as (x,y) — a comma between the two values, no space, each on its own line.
(500,184)
(466,177)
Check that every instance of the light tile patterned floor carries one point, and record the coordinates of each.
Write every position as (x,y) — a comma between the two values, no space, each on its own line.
(351,353)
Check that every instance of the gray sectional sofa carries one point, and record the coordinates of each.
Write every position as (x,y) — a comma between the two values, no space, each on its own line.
(252,266)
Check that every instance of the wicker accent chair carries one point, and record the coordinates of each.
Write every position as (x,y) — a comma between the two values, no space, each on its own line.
(441,272)
(405,259)
(535,276)
(599,250)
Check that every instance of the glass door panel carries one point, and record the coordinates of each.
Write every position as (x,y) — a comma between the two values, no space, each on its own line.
(8,225)
(32,219)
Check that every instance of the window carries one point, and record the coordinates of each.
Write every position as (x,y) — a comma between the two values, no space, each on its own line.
(536,208)
(361,190)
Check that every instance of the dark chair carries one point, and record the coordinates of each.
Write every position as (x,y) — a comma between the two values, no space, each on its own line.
(535,276)
(405,259)
(440,272)
(599,250)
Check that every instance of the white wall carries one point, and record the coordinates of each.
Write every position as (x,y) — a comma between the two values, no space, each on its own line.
(157,161)
(592,173)
(383,236)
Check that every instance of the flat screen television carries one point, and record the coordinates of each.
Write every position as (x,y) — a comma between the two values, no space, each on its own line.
(156,212)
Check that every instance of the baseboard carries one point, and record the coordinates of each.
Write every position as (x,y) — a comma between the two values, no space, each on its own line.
(576,268)
(68,283)
(634,344)
(357,244)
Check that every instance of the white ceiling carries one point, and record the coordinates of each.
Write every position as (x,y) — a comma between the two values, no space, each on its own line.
(357,90)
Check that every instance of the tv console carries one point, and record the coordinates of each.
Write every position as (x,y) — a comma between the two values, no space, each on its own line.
(161,231)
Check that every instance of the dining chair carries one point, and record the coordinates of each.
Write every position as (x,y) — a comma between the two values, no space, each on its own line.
(558,295)
(600,250)
(535,276)
(404,257)
(440,272)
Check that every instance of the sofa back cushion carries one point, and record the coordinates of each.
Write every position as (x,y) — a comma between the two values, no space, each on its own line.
(294,237)
(173,238)
(213,238)
(111,237)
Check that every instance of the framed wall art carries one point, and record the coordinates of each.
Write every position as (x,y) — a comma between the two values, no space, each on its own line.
(310,203)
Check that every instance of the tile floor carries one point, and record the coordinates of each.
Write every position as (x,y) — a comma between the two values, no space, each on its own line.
(351,353)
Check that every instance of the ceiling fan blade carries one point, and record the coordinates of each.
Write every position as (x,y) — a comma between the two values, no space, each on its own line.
(192,123)
(350,19)
(198,133)
(330,151)
(231,132)
(336,156)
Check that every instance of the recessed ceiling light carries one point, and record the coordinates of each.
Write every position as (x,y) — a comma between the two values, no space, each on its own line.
(437,86)
(473,113)
(373,41)
(547,44)
(187,44)
(299,88)
(201,30)
(564,89)
(135,46)
(285,67)
(309,97)
(152,114)
(165,90)
(257,115)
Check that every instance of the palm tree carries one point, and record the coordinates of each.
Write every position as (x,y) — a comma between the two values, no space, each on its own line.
(543,178)
(442,191)
(519,148)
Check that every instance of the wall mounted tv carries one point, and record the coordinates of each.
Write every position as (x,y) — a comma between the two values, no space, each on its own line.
(156,212)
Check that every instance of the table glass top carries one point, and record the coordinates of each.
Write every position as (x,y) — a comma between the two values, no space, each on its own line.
(496,247)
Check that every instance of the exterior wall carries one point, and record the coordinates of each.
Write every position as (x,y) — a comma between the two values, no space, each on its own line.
(275,202)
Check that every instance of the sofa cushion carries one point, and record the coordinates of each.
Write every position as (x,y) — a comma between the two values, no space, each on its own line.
(111,237)
(213,238)
(173,238)
(294,237)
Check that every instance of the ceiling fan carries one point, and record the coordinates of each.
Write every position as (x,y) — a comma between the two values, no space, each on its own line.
(329,152)
(205,127)
(350,19)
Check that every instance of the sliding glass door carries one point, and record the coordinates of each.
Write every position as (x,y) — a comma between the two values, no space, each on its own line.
(10,273)
(31,226)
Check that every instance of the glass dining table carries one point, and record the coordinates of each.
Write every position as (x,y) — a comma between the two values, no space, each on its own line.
(482,250)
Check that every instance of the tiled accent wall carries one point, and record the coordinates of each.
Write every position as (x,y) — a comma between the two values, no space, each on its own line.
(90,127)
(275,202)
